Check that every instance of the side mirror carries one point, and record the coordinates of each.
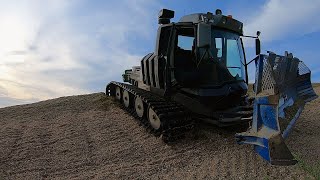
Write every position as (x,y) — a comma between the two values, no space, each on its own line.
(258,33)
(204,35)
(258,48)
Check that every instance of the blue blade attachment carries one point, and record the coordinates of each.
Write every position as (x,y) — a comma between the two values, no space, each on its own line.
(282,87)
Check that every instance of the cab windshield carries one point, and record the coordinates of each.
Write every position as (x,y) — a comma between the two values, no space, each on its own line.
(222,62)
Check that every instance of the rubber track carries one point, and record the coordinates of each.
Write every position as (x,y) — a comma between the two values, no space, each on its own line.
(175,119)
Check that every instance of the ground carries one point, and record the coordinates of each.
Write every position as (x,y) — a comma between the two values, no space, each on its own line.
(88,136)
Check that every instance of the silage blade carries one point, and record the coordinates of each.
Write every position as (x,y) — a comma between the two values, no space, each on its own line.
(282,87)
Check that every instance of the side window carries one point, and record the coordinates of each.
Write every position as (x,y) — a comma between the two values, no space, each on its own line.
(219,47)
(185,42)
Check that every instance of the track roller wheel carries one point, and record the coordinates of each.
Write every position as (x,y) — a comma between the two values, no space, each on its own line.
(126,98)
(154,119)
(139,106)
(118,93)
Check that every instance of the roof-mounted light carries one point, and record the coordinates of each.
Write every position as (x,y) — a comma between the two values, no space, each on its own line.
(209,15)
(218,12)
(165,15)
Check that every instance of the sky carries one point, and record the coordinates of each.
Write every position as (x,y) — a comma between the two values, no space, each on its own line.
(50,49)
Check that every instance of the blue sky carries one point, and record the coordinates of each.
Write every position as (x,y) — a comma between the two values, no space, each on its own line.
(57,48)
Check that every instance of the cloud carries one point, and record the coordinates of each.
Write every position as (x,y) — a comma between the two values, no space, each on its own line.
(59,48)
(280,19)
(283,25)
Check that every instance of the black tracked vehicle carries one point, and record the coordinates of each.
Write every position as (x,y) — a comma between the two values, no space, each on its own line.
(199,71)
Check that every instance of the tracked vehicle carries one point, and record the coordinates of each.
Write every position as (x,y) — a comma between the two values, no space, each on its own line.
(198,71)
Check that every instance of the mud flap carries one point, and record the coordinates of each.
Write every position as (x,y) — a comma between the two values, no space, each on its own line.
(282,87)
